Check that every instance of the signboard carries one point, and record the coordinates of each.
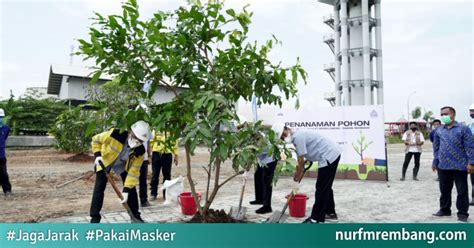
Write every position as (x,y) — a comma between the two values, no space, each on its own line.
(359,130)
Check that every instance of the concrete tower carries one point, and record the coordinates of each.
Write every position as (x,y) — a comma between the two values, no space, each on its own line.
(356,42)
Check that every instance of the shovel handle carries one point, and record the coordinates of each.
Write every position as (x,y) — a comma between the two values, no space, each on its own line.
(242,190)
(110,179)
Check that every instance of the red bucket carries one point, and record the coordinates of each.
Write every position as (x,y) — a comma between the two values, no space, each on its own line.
(297,205)
(188,205)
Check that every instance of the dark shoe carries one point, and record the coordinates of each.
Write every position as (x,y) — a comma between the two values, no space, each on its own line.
(310,221)
(256,202)
(472,202)
(331,216)
(441,214)
(145,204)
(8,194)
(462,219)
(153,198)
(95,220)
(402,179)
(264,210)
(415,179)
(137,220)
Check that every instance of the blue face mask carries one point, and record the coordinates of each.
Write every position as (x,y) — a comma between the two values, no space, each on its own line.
(2,122)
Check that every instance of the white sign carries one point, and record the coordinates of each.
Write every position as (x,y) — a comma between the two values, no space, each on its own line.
(359,130)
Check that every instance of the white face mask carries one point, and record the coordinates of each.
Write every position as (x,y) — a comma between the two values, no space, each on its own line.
(288,139)
(132,142)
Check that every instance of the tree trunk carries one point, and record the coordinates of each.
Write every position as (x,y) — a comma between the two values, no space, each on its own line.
(209,167)
(207,206)
(190,180)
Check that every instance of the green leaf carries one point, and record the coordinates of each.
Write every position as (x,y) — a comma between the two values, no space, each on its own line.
(223,152)
(230,12)
(95,77)
(90,128)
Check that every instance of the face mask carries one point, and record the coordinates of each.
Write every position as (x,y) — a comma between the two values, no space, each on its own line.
(414,129)
(1,120)
(288,139)
(472,116)
(446,119)
(132,143)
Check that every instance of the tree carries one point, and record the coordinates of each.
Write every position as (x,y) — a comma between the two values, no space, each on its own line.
(30,115)
(416,113)
(361,145)
(428,116)
(71,130)
(204,48)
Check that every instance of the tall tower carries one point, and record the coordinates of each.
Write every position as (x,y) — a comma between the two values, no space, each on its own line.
(356,43)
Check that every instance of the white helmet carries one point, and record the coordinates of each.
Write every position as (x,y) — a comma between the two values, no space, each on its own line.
(2,113)
(470,108)
(278,129)
(141,130)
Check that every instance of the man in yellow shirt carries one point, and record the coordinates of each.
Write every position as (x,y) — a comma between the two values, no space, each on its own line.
(162,152)
(123,152)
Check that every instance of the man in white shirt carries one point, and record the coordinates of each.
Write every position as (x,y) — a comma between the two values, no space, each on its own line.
(413,140)
(312,146)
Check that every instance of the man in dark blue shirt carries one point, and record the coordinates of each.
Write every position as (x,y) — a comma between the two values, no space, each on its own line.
(434,125)
(4,132)
(454,159)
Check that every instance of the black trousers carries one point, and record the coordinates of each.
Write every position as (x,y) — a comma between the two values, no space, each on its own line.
(160,162)
(4,180)
(446,180)
(324,196)
(98,197)
(142,190)
(408,157)
(263,179)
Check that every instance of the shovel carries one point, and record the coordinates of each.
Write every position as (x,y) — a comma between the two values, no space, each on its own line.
(281,217)
(238,212)
(110,179)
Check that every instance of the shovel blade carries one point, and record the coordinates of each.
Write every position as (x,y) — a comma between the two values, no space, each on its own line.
(236,213)
(277,217)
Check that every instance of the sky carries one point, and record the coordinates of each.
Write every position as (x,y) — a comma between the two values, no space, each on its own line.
(427,45)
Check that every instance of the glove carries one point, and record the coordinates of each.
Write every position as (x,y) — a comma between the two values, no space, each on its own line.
(125,198)
(295,186)
(98,160)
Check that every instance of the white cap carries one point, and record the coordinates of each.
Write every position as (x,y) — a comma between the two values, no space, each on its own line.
(278,129)
(141,130)
(2,113)
(472,107)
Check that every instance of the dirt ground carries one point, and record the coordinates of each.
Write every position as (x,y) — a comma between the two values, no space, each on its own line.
(35,175)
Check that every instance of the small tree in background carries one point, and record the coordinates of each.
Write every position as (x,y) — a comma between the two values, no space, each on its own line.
(29,115)
(416,113)
(204,48)
(71,130)
(428,117)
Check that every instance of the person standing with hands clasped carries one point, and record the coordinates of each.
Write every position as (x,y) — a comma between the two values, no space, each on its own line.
(413,140)
(453,159)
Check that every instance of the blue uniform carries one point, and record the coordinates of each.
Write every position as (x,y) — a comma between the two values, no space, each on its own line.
(4,132)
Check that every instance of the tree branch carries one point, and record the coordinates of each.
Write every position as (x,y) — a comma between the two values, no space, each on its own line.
(230,178)
(159,79)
